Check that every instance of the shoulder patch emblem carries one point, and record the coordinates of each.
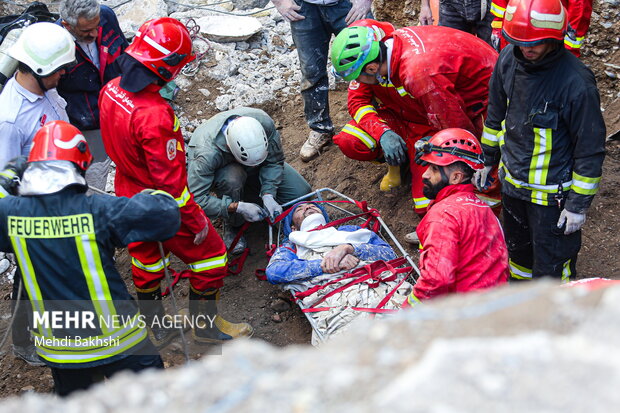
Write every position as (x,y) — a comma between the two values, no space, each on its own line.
(354,85)
(171,149)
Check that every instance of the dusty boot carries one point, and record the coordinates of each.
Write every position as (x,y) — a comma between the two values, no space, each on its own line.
(313,145)
(230,233)
(209,326)
(28,354)
(152,309)
(391,178)
(412,238)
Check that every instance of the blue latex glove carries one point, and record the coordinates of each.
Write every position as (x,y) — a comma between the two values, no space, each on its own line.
(394,148)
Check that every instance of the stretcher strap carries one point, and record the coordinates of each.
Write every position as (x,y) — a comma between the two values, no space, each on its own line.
(361,309)
(176,277)
(235,266)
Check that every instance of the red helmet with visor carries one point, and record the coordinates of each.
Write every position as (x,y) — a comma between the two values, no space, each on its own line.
(529,23)
(60,141)
(449,146)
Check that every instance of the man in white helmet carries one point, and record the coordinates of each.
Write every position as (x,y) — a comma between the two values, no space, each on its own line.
(237,155)
(27,102)
(29,99)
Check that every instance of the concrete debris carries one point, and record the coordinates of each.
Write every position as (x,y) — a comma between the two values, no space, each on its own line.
(229,28)
(534,347)
(133,14)
(250,4)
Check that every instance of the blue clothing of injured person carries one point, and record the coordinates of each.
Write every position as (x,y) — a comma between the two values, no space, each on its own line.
(342,248)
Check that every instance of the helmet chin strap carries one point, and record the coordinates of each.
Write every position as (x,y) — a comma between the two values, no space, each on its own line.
(40,83)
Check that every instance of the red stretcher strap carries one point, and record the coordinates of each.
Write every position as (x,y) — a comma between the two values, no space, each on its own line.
(176,277)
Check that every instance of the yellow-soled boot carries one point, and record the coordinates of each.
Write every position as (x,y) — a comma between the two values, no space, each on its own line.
(209,326)
(391,178)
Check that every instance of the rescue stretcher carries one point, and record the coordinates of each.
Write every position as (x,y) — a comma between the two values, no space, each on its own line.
(331,302)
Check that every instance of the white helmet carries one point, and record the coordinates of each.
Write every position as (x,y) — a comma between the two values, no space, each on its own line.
(44,48)
(247,140)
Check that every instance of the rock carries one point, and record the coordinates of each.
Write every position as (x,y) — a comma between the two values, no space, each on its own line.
(276,318)
(205,92)
(4,265)
(611,75)
(249,4)
(222,102)
(27,389)
(279,305)
(229,28)
(133,14)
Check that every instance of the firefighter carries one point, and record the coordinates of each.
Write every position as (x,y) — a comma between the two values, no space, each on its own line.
(64,243)
(545,123)
(442,76)
(579,13)
(462,247)
(142,136)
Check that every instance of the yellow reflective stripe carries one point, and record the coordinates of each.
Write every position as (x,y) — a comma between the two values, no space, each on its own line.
(30,281)
(541,154)
(184,198)
(566,272)
(97,282)
(492,202)
(497,11)
(573,43)
(421,202)
(401,91)
(412,300)
(177,124)
(519,272)
(535,187)
(584,185)
(209,264)
(360,134)
(8,173)
(73,355)
(497,24)
(160,192)
(363,111)
(490,137)
(155,267)
(3,192)
(539,198)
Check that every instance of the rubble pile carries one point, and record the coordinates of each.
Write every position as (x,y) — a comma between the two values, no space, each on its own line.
(533,347)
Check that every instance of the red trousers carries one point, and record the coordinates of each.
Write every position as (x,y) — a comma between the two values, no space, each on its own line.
(207,262)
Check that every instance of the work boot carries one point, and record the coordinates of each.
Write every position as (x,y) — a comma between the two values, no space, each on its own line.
(152,308)
(391,178)
(313,145)
(28,354)
(209,326)
(230,233)
(412,238)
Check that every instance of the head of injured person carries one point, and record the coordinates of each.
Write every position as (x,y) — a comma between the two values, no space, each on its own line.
(304,216)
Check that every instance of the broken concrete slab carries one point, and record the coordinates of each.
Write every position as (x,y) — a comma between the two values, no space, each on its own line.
(226,29)
(132,15)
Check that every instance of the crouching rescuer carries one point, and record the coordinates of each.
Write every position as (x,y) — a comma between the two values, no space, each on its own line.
(462,246)
(142,136)
(64,242)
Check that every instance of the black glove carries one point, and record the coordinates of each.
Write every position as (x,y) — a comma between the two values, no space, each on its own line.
(12,174)
(394,148)
(419,150)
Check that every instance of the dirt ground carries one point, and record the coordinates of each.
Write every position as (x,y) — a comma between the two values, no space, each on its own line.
(245,298)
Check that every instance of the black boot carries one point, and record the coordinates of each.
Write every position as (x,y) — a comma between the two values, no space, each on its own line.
(209,327)
(151,306)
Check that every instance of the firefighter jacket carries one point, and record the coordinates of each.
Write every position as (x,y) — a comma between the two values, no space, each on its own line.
(462,246)
(64,243)
(81,85)
(285,266)
(544,121)
(579,13)
(142,136)
(208,153)
(446,71)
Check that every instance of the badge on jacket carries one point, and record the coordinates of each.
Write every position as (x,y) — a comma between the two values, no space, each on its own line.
(171,149)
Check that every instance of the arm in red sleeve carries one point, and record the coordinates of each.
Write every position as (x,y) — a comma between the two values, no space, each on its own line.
(438,259)
(164,154)
(361,107)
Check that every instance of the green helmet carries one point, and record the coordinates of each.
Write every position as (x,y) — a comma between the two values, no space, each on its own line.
(353,48)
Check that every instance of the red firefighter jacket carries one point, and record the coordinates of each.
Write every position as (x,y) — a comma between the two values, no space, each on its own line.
(142,136)
(462,246)
(446,71)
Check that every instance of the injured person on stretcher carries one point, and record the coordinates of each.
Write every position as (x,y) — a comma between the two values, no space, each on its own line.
(336,274)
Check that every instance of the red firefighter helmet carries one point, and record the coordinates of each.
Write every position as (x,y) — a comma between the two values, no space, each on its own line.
(452,145)
(164,46)
(531,22)
(381,29)
(60,141)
